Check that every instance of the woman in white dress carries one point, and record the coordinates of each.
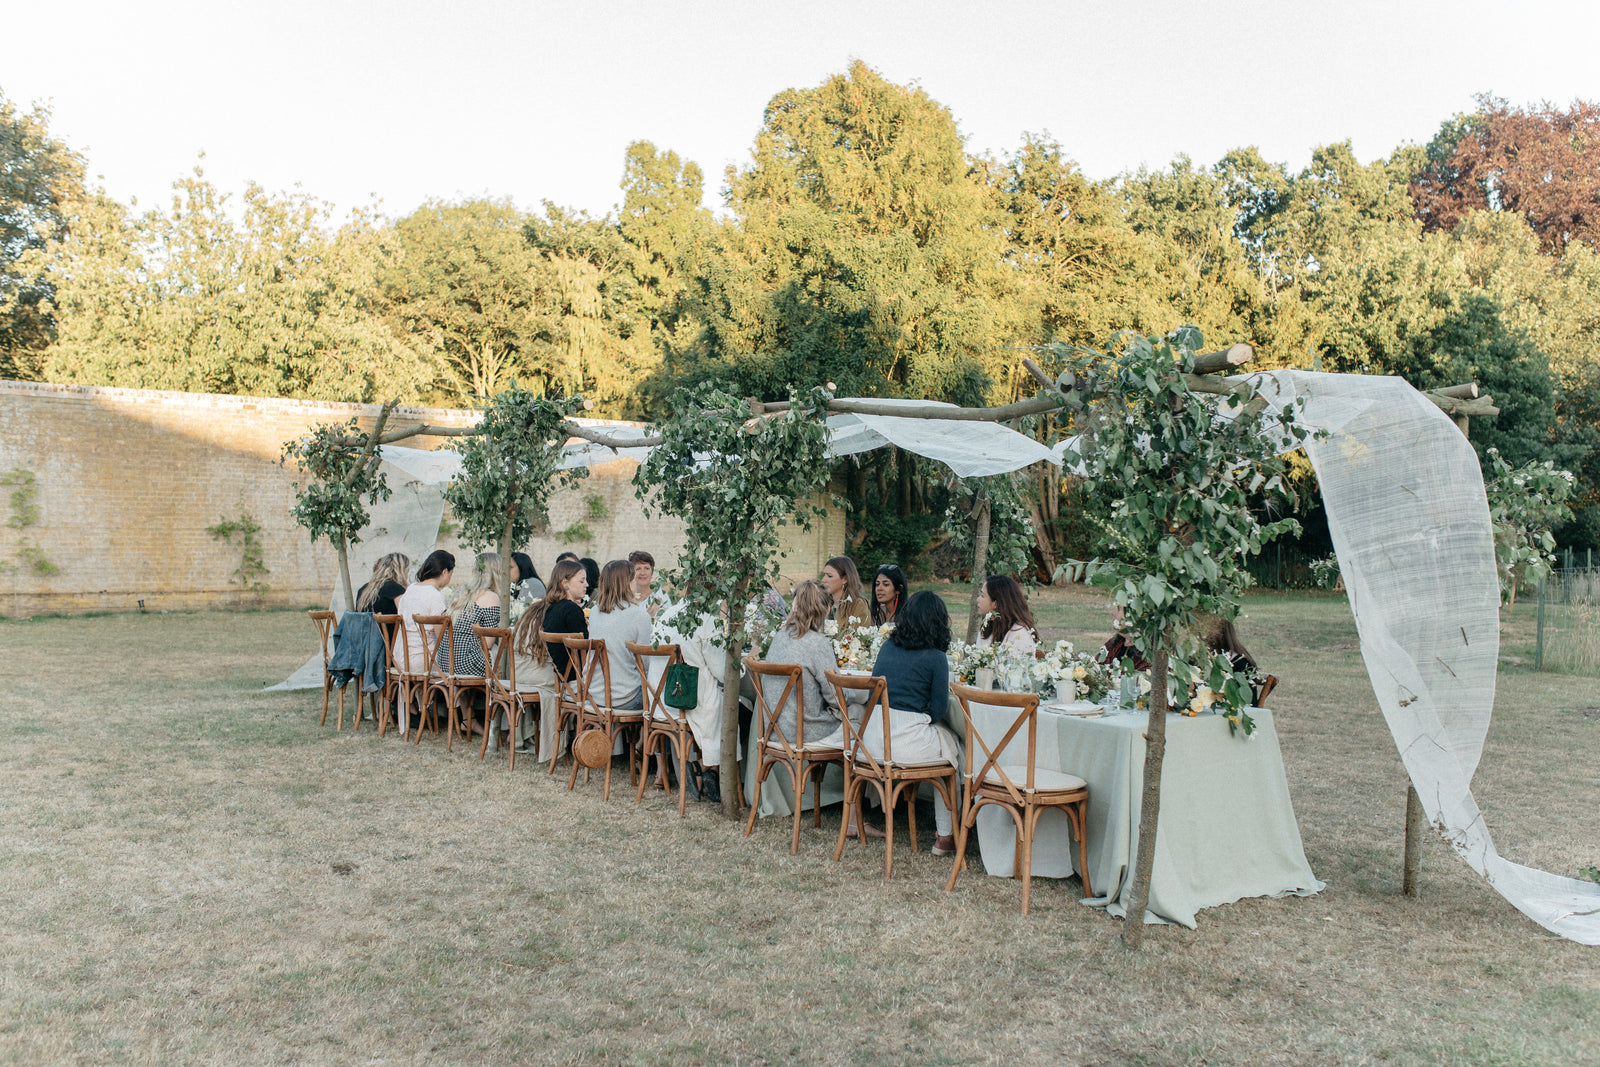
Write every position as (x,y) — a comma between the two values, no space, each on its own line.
(699,642)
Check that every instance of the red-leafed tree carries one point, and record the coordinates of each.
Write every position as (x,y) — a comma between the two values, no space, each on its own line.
(1543,163)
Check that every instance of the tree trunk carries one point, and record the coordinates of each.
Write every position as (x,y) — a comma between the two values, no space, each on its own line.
(1150,802)
(344,573)
(980,562)
(728,773)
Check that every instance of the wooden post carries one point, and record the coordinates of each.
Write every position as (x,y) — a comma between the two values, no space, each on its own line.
(1409,881)
(980,561)
(1415,819)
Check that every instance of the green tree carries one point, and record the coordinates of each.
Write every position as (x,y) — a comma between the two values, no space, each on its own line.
(868,251)
(1184,525)
(665,223)
(40,179)
(509,470)
(343,466)
(465,281)
(260,301)
(734,480)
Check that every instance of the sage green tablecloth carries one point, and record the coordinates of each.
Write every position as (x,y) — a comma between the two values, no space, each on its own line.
(1227,828)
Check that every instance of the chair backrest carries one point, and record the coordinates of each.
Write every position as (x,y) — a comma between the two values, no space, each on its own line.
(324,622)
(767,715)
(876,690)
(437,637)
(654,707)
(1026,708)
(496,643)
(593,652)
(567,676)
(389,626)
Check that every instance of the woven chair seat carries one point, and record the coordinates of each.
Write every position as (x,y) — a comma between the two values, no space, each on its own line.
(1044,779)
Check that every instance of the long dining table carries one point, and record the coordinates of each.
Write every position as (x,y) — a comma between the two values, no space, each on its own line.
(1227,827)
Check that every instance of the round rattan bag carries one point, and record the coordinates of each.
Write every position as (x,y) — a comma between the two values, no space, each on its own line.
(592,748)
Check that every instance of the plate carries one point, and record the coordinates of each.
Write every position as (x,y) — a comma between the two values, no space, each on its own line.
(1081,708)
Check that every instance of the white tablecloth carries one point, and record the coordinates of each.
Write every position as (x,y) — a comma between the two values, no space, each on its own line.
(1227,827)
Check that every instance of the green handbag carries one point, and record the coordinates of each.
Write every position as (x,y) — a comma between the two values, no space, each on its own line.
(681,687)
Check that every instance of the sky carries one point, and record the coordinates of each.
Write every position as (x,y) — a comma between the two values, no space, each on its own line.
(404,101)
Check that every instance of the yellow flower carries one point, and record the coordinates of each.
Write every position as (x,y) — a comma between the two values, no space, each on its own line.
(1079,673)
(1196,706)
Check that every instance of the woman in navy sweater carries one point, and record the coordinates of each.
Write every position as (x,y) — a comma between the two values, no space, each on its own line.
(913,663)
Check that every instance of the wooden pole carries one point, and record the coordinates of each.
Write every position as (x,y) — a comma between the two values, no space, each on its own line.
(1410,880)
(980,560)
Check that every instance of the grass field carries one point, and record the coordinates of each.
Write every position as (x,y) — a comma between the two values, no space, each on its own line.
(192,871)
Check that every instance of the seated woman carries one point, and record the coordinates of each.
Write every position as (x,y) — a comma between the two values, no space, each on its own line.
(388,582)
(616,620)
(1220,635)
(557,612)
(800,640)
(888,593)
(913,663)
(530,589)
(696,639)
(1119,646)
(425,596)
(477,604)
(846,605)
(1007,618)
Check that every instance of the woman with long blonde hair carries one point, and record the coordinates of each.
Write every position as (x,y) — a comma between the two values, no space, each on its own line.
(476,602)
(387,584)
(617,619)
(800,640)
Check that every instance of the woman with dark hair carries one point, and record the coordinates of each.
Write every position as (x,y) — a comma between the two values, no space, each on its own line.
(888,593)
(525,579)
(425,596)
(913,664)
(1006,618)
(847,606)
(557,613)
(591,571)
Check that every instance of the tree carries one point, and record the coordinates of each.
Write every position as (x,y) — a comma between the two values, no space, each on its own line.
(867,252)
(1178,539)
(509,470)
(261,301)
(733,479)
(465,281)
(40,178)
(1525,504)
(329,505)
(1540,163)
(664,221)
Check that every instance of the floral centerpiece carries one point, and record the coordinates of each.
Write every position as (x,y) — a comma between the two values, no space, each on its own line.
(967,660)
(856,648)
(1216,686)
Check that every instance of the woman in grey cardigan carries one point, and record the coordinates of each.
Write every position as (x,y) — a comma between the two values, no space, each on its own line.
(800,640)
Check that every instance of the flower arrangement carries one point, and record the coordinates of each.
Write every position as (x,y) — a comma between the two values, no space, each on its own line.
(517,606)
(967,660)
(856,648)
(1216,686)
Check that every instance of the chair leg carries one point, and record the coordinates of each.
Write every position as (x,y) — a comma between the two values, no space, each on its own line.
(682,746)
(339,723)
(797,779)
(966,820)
(851,807)
(1030,819)
(889,802)
(327,690)
(761,779)
(911,812)
(1078,817)
(648,740)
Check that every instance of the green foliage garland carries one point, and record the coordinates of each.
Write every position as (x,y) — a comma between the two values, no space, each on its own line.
(252,561)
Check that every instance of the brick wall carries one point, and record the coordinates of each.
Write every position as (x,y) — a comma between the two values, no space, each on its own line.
(128,480)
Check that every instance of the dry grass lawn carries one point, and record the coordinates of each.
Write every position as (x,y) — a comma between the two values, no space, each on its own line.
(192,871)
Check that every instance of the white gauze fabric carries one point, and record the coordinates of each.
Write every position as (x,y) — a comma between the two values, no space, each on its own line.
(1410,526)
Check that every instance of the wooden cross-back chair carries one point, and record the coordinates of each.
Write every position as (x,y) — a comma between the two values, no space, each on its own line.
(396,689)
(502,693)
(662,723)
(568,703)
(1019,786)
(888,778)
(414,688)
(804,760)
(597,715)
(443,683)
(324,622)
